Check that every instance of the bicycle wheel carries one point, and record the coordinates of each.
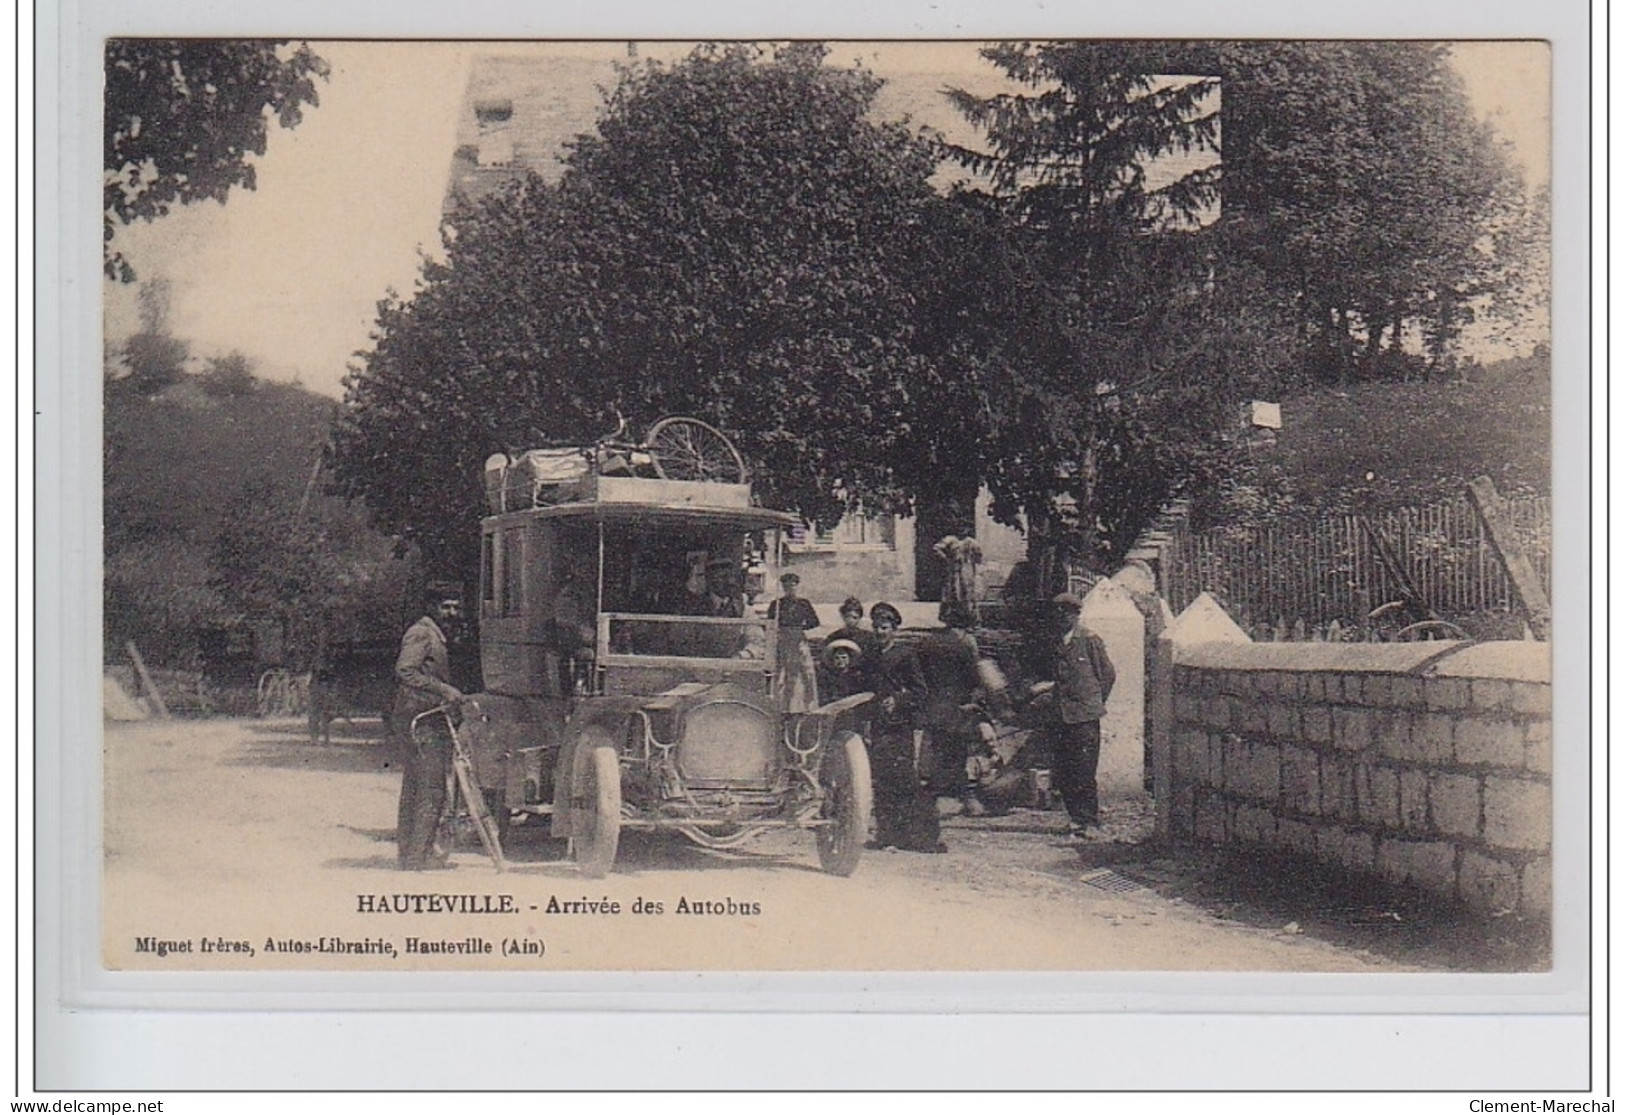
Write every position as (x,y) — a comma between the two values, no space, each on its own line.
(688,449)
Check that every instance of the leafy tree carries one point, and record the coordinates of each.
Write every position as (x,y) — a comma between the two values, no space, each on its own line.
(155,361)
(314,570)
(737,241)
(156,591)
(1357,180)
(152,358)
(1116,320)
(182,117)
(1087,279)
(231,374)
(174,472)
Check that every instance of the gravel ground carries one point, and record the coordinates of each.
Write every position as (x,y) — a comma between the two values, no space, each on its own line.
(242,831)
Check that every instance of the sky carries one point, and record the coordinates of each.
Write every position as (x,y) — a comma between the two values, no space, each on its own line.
(349,202)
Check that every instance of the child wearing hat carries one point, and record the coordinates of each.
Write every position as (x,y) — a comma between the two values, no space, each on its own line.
(852,630)
(841,672)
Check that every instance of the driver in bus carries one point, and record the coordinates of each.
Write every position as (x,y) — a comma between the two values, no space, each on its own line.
(572,635)
(721,599)
(721,596)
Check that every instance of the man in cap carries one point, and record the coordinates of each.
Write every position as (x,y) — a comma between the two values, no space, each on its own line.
(1083,680)
(720,599)
(423,671)
(905,815)
(792,616)
(948,713)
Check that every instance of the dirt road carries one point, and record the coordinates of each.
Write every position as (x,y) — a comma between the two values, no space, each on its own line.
(239,845)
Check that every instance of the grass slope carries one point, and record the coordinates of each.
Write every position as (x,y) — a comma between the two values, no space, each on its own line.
(1380,446)
(175,461)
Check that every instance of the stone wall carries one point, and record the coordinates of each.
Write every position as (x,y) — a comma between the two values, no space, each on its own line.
(1427,763)
(1109,611)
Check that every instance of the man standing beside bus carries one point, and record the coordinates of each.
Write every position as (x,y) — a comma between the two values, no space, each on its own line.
(1083,680)
(423,671)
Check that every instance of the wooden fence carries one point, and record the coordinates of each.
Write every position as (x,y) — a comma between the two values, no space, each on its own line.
(1307,575)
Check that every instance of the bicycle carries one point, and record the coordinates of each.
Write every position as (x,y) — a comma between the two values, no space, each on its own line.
(464,782)
(675,448)
(1397,622)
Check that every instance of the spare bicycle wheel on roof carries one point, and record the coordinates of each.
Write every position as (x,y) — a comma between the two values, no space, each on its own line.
(688,449)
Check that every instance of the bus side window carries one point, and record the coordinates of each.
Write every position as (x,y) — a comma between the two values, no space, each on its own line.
(513,568)
(488,575)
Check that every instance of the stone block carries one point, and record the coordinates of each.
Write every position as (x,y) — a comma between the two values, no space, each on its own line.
(1348,848)
(1535,895)
(1210,819)
(1377,690)
(1296,836)
(1483,742)
(1257,771)
(1282,721)
(1337,796)
(1354,689)
(1427,863)
(1391,733)
(1238,769)
(1190,754)
(1300,780)
(1187,707)
(1248,717)
(1182,812)
(1377,788)
(1491,693)
(1446,694)
(1431,739)
(1219,744)
(1454,800)
(1413,800)
(1263,683)
(1314,688)
(1215,712)
(1253,824)
(1537,754)
(1234,683)
(1532,698)
(1317,724)
(1407,693)
(1488,884)
(1351,728)
(1517,813)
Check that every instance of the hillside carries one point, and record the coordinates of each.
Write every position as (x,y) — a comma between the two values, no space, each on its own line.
(175,465)
(173,462)
(1377,447)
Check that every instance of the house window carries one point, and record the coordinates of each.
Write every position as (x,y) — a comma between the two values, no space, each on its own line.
(498,110)
(854,531)
(496,141)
